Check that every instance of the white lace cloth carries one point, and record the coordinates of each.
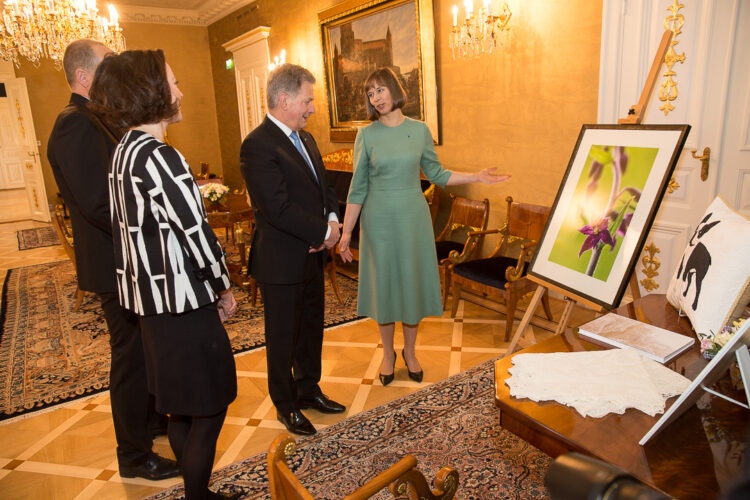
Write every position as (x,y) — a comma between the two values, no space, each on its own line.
(595,383)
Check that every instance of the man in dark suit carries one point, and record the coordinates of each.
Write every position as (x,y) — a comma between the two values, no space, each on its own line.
(79,151)
(296,223)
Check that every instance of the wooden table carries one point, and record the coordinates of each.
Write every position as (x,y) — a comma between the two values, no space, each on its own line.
(235,210)
(696,456)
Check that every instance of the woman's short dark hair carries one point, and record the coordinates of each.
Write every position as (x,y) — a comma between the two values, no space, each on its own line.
(387,78)
(131,89)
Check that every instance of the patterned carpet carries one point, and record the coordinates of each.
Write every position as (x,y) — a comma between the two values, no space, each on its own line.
(453,422)
(37,237)
(50,353)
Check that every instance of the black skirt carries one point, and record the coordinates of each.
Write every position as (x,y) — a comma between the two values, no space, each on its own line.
(189,362)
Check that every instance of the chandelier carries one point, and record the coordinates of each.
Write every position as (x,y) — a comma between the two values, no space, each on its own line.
(481,33)
(35,29)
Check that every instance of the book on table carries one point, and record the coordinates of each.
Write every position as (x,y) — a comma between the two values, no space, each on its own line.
(618,331)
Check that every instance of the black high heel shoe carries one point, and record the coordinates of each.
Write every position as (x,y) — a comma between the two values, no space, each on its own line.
(387,379)
(415,376)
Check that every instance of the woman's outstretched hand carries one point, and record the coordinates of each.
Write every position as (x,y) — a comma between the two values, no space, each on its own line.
(344,250)
(488,176)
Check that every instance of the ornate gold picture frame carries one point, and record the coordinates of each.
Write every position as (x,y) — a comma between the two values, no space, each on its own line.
(360,36)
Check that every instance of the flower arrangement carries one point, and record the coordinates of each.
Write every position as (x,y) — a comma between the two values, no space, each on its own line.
(214,192)
(712,343)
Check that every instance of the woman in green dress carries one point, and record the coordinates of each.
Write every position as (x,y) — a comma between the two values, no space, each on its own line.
(398,269)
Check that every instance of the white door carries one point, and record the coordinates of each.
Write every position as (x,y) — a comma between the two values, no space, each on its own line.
(707,87)
(251,58)
(22,192)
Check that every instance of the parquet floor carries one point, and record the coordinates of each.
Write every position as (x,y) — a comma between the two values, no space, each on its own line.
(69,452)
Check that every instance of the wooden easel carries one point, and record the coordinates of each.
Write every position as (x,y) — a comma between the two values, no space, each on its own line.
(635,116)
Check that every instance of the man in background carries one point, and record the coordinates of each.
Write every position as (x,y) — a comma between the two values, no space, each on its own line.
(79,151)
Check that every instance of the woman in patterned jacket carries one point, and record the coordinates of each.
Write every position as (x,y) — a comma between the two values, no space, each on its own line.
(170,266)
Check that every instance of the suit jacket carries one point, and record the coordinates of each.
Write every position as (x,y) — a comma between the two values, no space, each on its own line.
(79,150)
(291,207)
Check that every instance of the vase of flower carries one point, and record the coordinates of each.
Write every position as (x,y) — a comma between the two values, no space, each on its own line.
(711,343)
(215,194)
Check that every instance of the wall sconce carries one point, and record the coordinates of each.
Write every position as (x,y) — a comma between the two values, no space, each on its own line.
(480,33)
(278,60)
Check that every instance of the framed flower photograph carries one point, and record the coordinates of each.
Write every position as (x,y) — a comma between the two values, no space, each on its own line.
(361,36)
(603,211)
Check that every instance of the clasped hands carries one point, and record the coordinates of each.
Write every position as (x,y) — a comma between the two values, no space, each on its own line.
(227,306)
(333,237)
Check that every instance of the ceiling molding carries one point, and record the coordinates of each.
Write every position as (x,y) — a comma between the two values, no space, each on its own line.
(203,16)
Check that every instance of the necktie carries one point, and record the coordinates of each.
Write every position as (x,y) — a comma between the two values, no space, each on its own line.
(298,145)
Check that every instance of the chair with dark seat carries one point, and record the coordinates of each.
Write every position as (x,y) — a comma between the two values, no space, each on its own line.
(466,217)
(502,275)
(65,233)
(402,478)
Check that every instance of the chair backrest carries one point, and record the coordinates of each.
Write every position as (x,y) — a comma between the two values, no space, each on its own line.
(466,215)
(399,478)
(526,220)
(284,484)
(524,223)
(432,195)
(205,169)
(64,232)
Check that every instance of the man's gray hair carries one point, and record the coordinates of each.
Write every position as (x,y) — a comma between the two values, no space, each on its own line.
(80,54)
(286,79)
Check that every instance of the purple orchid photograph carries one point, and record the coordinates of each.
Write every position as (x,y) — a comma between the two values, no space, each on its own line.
(602,214)
(604,201)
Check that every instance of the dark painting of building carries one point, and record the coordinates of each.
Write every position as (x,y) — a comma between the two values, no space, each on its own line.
(360,46)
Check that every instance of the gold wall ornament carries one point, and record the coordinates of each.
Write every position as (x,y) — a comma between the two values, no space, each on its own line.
(263,100)
(20,119)
(672,186)
(651,265)
(668,88)
(248,108)
(36,198)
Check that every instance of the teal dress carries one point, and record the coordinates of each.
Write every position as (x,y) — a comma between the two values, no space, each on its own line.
(398,269)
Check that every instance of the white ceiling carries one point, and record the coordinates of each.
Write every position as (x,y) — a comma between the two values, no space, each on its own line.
(189,12)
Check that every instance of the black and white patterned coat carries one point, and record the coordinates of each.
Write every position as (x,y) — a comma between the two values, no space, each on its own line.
(168,258)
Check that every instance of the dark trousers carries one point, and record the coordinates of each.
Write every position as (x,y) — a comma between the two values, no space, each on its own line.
(294,338)
(128,392)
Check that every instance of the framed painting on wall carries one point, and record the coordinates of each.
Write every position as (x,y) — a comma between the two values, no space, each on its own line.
(609,196)
(359,37)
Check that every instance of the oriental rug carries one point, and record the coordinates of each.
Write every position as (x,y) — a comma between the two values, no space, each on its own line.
(453,422)
(50,354)
(37,237)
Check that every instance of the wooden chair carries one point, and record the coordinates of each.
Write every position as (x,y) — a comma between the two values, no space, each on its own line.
(65,233)
(402,479)
(501,276)
(432,196)
(466,217)
(205,170)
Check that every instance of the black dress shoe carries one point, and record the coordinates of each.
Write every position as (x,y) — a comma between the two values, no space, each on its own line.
(322,404)
(296,422)
(415,376)
(153,468)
